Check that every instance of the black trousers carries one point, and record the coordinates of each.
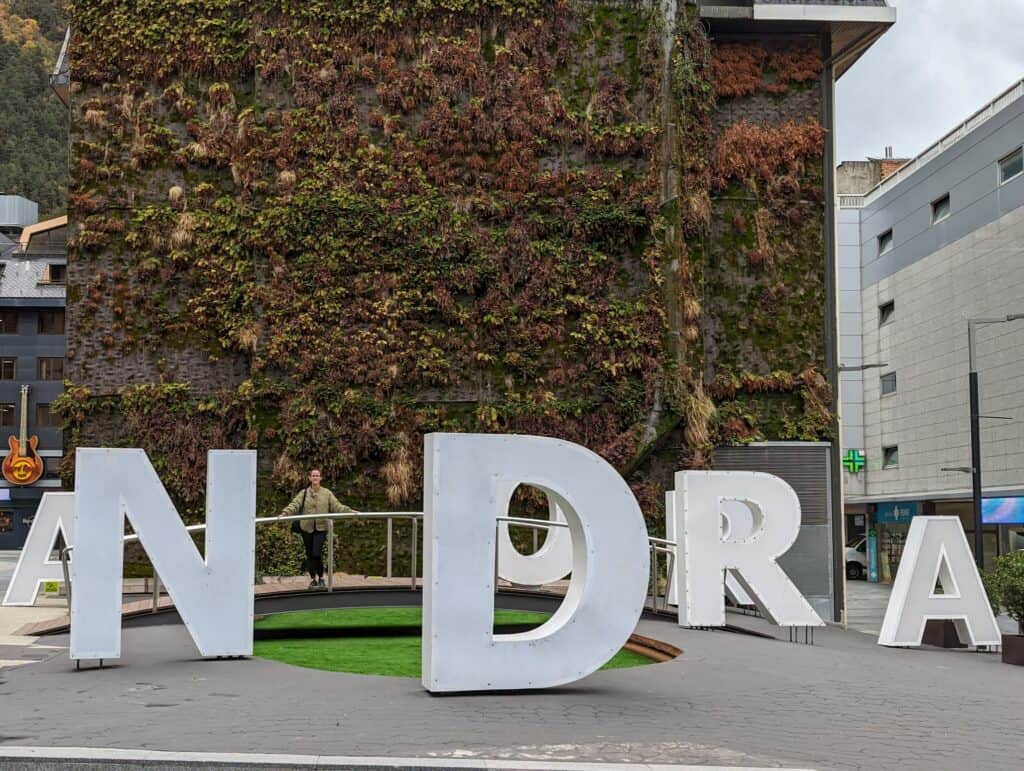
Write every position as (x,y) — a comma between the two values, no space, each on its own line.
(314,543)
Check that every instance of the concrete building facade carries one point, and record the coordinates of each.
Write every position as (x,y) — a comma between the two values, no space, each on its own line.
(937,243)
(32,300)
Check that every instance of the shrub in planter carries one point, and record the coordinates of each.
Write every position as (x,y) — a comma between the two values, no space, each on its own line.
(1005,585)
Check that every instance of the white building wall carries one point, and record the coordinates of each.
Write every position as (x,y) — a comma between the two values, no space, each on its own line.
(939,274)
(851,387)
(925,344)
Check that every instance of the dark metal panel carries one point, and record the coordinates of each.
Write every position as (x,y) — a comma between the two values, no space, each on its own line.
(803,467)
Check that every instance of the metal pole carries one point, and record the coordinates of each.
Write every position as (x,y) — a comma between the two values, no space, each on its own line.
(330,555)
(979,541)
(67,575)
(972,324)
(389,546)
(654,580)
(415,538)
(156,591)
(496,526)
(536,533)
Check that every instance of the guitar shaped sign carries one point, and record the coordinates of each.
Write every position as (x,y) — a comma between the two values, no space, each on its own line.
(23,466)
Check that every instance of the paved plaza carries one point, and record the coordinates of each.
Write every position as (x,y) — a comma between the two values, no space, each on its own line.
(731,700)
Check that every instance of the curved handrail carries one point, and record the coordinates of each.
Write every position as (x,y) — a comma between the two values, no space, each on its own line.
(657,545)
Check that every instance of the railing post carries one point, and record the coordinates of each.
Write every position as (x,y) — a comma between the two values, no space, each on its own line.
(497,525)
(668,577)
(415,539)
(156,591)
(389,546)
(330,555)
(536,532)
(64,556)
(654,578)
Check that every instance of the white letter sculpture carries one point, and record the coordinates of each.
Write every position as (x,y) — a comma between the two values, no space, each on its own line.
(733,588)
(214,597)
(551,562)
(55,514)
(468,482)
(706,551)
(936,551)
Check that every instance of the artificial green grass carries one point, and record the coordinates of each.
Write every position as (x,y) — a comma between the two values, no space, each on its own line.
(389,656)
(385,617)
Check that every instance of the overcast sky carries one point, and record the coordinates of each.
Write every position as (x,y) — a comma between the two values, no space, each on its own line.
(942,61)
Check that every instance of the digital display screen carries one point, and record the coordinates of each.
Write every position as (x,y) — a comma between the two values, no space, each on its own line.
(1002,511)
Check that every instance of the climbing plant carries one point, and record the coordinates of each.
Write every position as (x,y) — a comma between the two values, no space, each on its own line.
(325,229)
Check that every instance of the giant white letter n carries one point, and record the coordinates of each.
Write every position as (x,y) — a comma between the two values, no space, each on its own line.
(468,482)
(213,596)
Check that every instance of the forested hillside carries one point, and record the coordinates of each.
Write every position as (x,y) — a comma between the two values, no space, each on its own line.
(33,122)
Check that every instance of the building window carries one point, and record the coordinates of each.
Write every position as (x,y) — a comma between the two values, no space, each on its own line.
(888,384)
(6,415)
(50,368)
(886,311)
(8,322)
(56,273)
(890,457)
(1011,166)
(940,208)
(51,322)
(8,368)
(46,418)
(885,242)
(51,468)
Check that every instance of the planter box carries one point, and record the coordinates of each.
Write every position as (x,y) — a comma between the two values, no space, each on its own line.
(941,634)
(1013,649)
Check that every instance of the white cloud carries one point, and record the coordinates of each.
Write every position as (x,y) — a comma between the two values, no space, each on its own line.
(942,61)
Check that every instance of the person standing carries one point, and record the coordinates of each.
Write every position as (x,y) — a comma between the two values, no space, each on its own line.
(315,499)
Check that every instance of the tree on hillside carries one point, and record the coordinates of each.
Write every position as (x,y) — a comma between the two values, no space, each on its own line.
(49,14)
(33,122)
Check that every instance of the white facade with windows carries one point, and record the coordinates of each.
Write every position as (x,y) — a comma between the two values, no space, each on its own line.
(935,244)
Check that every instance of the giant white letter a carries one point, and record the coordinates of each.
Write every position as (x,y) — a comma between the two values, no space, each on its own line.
(214,596)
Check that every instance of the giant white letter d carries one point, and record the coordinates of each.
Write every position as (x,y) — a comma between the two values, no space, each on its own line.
(468,482)
(214,596)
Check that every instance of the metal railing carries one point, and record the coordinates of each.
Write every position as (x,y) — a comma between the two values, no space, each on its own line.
(851,201)
(657,546)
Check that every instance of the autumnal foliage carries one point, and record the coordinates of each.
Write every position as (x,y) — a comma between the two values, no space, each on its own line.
(748,153)
(369,221)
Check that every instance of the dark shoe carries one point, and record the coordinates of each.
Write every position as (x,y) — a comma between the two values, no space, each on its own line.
(321,584)
(313,584)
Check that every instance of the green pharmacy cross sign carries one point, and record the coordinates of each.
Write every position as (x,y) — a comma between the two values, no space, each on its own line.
(854,461)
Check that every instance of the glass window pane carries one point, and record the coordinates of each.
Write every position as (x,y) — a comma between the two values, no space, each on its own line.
(8,322)
(1011,166)
(50,368)
(51,322)
(885,242)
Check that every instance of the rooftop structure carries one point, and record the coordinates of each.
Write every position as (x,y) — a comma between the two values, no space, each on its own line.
(853,25)
(60,79)
(16,213)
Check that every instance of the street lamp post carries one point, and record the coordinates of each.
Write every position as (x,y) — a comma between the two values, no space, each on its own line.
(972,325)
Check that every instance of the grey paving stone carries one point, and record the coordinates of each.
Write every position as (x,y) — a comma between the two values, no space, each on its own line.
(844,703)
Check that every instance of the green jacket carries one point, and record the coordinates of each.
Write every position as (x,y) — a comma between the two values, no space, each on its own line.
(322,502)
